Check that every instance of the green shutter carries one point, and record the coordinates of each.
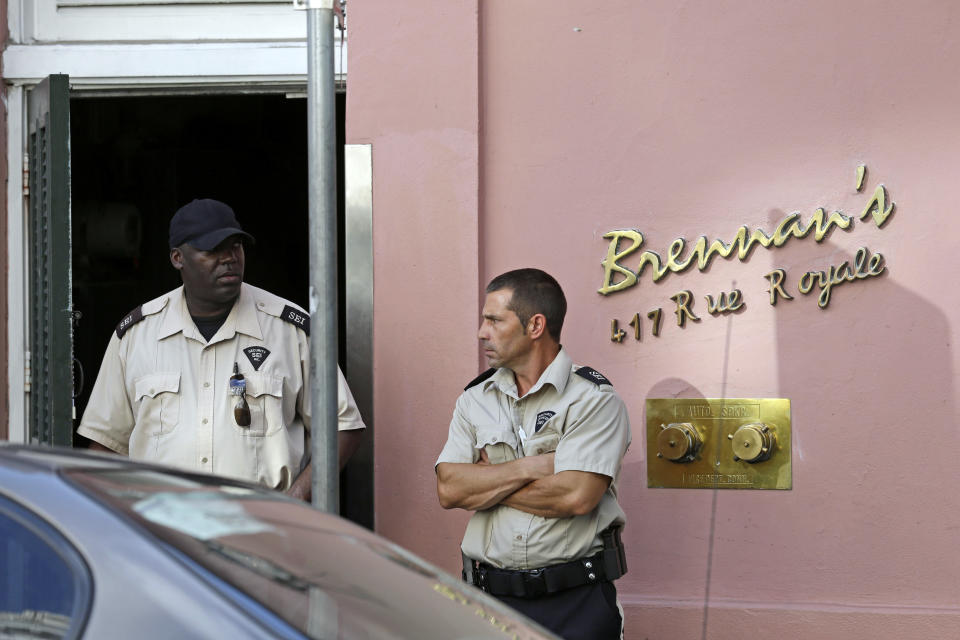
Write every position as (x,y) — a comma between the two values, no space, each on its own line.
(51,303)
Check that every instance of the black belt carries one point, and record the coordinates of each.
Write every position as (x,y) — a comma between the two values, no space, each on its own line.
(609,564)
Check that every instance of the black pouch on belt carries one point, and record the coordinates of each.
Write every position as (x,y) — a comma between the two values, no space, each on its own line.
(614,557)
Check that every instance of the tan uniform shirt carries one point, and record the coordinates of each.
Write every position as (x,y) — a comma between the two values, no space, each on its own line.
(163,392)
(583,421)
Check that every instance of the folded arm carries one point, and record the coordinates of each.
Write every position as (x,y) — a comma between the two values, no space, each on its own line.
(478,486)
(596,436)
(568,493)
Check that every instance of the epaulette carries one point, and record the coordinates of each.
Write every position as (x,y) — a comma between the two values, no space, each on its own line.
(480,378)
(129,320)
(296,317)
(147,308)
(593,376)
(279,308)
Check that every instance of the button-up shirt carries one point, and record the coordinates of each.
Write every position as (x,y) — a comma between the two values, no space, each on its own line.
(163,391)
(584,422)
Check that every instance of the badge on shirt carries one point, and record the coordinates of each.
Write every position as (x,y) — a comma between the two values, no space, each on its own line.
(256,356)
(542,418)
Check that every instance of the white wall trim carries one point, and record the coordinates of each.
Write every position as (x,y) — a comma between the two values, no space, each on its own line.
(14,21)
(17,272)
(47,21)
(112,65)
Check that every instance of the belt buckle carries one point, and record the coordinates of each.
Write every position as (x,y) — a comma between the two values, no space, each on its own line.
(534,583)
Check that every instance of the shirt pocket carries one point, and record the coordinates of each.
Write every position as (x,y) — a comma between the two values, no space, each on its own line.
(541,444)
(499,443)
(265,399)
(547,438)
(157,399)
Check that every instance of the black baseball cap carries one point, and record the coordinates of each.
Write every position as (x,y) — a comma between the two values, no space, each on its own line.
(203,224)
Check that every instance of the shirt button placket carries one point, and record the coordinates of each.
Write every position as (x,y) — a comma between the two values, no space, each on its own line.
(518,425)
(207,404)
(519,550)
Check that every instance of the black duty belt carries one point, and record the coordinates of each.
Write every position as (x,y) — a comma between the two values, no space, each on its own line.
(609,564)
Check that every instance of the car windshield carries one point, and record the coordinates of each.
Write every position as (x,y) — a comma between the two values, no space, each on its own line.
(325,576)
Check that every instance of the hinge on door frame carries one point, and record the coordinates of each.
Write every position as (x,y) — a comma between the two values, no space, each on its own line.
(26,372)
(26,174)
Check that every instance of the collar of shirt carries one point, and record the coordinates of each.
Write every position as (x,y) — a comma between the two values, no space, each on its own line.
(557,373)
(242,318)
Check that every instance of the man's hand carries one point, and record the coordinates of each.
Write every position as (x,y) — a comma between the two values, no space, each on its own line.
(301,489)
(481,485)
(543,464)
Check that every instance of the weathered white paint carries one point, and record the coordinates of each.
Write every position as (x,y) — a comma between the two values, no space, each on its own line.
(102,66)
(17,321)
(45,21)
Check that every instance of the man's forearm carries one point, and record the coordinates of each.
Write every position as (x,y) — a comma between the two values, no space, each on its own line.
(480,486)
(347,443)
(302,485)
(568,493)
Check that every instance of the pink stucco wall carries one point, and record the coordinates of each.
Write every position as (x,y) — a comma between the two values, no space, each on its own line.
(415,99)
(508,134)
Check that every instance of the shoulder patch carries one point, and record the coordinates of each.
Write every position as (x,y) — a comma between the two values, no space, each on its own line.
(480,378)
(146,309)
(129,320)
(296,317)
(593,376)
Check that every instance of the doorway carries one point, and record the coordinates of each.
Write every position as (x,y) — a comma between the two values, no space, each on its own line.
(136,159)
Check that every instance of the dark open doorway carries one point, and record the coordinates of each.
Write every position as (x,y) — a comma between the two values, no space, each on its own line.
(135,160)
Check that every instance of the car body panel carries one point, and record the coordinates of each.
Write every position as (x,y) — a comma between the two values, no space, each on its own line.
(173,554)
(174,603)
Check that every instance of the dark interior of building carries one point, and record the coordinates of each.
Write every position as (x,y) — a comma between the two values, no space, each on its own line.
(136,160)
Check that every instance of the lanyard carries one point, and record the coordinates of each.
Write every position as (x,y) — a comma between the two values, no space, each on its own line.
(238,388)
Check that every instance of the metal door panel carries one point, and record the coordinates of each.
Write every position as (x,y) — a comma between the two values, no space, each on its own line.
(51,304)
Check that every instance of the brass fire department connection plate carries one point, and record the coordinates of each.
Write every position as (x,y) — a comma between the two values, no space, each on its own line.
(719,443)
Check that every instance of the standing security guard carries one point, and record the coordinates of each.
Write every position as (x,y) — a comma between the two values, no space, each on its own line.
(535,449)
(214,375)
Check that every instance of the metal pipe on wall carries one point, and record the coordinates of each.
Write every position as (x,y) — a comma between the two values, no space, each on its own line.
(322,186)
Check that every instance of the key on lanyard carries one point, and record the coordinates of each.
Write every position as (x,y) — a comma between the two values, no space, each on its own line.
(238,387)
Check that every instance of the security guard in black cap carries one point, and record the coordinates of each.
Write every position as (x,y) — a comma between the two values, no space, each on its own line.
(214,375)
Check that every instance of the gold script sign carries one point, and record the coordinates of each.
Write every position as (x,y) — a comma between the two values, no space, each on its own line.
(617,277)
